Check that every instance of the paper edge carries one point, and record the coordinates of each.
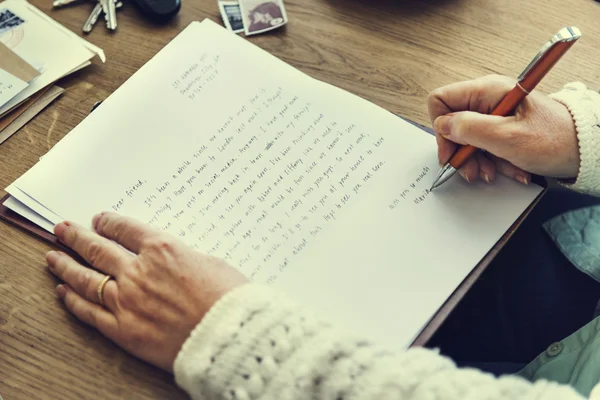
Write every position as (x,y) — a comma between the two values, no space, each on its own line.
(21,209)
(91,47)
(43,101)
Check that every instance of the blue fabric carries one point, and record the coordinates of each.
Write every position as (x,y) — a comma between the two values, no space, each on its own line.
(577,235)
(573,361)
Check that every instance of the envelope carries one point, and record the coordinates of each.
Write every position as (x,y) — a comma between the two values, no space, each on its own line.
(15,65)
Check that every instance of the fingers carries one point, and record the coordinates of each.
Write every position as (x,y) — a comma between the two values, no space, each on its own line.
(479,95)
(84,281)
(96,250)
(474,167)
(88,313)
(509,170)
(470,170)
(486,166)
(126,231)
(487,169)
(445,148)
(487,132)
(459,113)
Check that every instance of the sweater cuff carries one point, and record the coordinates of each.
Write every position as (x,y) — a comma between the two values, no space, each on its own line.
(199,352)
(237,348)
(584,106)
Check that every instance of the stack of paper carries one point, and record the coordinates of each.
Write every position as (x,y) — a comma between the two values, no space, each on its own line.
(35,51)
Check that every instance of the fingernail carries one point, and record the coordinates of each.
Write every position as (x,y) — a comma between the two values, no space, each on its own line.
(59,230)
(522,179)
(51,258)
(95,221)
(61,290)
(465,176)
(485,177)
(442,124)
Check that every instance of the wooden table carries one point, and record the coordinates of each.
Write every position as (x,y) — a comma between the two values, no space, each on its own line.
(391,52)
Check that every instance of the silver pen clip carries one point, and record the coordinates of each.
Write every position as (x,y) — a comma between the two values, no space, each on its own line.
(567,34)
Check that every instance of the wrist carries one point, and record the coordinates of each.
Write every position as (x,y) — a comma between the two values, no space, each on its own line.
(584,108)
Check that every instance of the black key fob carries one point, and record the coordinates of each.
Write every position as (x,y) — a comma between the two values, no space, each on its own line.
(158,10)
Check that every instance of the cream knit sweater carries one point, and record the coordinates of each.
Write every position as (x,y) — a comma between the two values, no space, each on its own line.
(257,344)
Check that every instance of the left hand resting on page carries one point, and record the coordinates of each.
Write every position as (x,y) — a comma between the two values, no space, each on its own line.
(157,295)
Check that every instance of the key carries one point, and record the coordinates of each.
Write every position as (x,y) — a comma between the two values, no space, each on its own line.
(93,18)
(94,15)
(62,3)
(111,15)
(110,18)
(104,5)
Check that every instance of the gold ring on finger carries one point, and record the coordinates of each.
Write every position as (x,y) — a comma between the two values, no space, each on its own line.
(101,288)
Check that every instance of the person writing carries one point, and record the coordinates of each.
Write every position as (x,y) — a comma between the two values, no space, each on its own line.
(224,337)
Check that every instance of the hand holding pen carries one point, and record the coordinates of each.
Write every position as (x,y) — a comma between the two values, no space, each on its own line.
(521,132)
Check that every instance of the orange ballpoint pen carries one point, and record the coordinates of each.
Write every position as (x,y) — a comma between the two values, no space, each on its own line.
(541,64)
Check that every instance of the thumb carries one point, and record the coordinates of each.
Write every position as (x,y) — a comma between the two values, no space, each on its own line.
(486,132)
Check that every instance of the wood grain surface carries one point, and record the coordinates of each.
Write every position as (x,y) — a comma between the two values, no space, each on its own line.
(391,52)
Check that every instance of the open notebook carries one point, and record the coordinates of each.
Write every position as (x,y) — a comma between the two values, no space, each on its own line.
(297,183)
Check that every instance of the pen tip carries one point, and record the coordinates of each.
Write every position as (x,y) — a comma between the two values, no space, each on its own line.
(443,175)
(435,183)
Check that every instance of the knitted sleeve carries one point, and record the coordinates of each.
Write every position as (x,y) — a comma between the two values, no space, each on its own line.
(584,106)
(256,344)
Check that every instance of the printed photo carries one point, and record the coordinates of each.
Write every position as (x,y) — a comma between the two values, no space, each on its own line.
(232,15)
(8,21)
(261,15)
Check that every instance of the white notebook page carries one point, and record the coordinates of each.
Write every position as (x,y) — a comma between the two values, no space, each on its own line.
(295,182)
